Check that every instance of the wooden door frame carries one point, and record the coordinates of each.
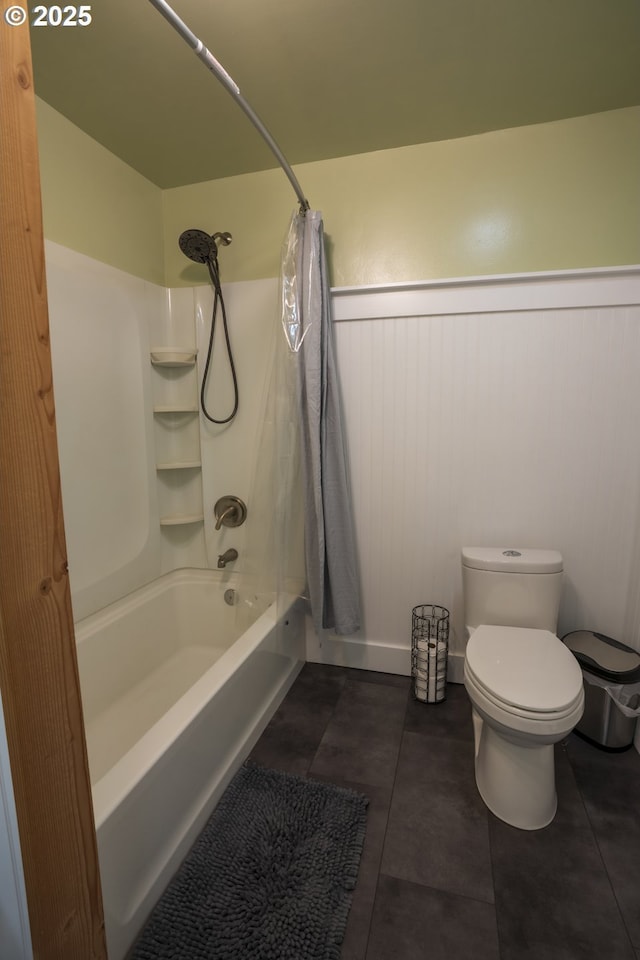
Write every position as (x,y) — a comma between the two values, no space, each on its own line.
(38,666)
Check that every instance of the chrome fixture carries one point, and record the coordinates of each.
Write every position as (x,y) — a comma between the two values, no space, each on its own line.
(200,247)
(227,557)
(230,511)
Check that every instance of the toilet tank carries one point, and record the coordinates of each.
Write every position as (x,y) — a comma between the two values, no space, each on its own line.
(514,587)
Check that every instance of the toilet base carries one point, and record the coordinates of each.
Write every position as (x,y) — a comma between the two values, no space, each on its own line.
(516,779)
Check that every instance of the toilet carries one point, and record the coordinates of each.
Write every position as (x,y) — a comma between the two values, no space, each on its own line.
(524,684)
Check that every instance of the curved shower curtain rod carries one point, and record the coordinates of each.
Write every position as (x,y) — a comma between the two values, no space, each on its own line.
(228,83)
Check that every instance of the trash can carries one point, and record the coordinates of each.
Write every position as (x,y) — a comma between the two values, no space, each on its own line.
(611,673)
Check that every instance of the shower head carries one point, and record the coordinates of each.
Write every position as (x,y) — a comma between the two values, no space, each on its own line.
(200,247)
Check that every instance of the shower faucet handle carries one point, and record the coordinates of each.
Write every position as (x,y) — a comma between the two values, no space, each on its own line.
(230,512)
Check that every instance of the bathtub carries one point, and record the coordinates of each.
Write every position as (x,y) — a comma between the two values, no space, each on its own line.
(173,699)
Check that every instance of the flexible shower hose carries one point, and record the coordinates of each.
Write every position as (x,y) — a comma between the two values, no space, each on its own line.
(212,263)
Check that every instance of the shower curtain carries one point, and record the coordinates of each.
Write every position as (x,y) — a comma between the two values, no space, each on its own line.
(330,550)
(273,555)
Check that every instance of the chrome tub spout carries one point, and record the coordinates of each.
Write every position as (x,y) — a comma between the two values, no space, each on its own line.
(227,557)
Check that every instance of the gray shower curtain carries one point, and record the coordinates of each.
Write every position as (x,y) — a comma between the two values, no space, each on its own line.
(330,550)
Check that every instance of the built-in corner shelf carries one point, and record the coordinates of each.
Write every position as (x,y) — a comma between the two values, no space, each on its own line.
(162,409)
(177,435)
(173,356)
(179,465)
(181,519)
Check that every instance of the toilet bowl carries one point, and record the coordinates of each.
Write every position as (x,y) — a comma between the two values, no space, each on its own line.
(526,694)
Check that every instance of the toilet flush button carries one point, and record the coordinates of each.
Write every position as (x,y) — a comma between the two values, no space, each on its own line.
(511,553)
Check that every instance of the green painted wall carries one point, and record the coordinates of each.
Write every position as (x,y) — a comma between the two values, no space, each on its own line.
(552,196)
(94,203)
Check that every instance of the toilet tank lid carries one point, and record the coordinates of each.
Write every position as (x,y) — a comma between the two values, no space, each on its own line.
(512,559)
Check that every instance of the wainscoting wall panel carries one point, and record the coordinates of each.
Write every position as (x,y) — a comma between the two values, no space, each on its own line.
(510,426)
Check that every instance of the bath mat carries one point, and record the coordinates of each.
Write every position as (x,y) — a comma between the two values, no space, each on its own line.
(269,878)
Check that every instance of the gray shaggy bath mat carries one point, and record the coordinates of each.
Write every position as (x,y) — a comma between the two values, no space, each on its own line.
(269,878)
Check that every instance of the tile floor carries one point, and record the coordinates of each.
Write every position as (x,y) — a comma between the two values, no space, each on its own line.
(440,876)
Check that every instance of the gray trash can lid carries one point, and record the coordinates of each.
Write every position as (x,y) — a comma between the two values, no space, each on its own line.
(604,657)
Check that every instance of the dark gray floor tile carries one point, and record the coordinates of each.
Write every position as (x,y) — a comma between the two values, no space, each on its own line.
(553,896)
(362,739)
(431,837)
(609,780)
(571,811)
(312,672)
(373,676)
(319,682)
(291,739)
(610,786)
(412,922)
(438,825)
(450,718)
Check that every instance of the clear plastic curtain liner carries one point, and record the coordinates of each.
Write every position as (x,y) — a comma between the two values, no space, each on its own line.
(330,549)
(273,555)
(258,577)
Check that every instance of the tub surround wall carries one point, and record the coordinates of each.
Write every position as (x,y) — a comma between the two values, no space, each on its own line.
(230,467)
(111,437)
(178,456)
(100,318)
(227,466)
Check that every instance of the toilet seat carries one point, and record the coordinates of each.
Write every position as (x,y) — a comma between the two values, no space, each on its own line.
(532,722)
(511,711)
(524,672)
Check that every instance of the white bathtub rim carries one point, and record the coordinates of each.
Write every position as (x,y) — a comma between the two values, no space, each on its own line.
(104,617)
(219,782)
(112,789)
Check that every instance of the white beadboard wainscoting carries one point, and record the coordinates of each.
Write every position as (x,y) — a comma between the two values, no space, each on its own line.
(491,411)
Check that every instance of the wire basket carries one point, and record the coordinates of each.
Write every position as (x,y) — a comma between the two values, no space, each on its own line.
(429,652)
